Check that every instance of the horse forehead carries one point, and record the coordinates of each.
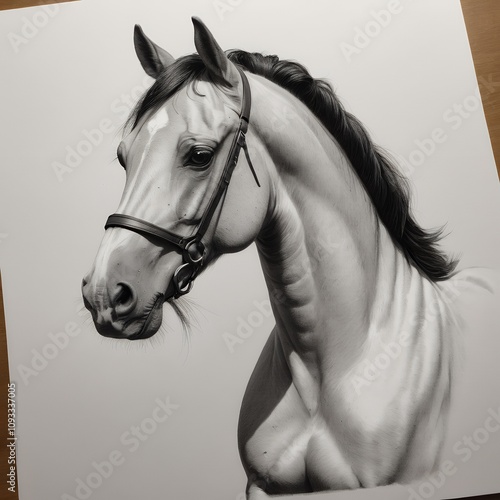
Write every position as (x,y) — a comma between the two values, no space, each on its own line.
(202,107)
(198,109)
(198,106)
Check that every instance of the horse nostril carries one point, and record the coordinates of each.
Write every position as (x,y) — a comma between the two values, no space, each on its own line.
(124,295)
(123,299)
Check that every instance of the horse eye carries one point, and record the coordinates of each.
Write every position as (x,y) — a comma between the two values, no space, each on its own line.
(200,157)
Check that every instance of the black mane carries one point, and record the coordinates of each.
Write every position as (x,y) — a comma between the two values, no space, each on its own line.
(387,188)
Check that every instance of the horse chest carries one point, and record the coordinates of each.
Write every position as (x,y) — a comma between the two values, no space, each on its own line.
(303,456)
(285,447)
(288,445)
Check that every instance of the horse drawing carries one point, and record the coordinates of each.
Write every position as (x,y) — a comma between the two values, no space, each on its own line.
(229,149)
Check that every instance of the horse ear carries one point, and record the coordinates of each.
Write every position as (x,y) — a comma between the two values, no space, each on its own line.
(221,69)
(153,58)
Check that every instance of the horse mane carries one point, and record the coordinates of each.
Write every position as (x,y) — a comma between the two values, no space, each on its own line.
(385,185)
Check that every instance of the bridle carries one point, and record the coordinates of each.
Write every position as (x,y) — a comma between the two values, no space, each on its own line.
(192,247)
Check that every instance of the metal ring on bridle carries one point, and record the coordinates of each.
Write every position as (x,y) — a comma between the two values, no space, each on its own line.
(200,248)
(187,287)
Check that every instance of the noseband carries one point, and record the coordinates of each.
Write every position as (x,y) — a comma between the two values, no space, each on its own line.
(192,248)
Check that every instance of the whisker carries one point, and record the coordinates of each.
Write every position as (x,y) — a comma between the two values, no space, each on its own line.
(196,313)
(156,340)
(163,330)
(180,311)
(88,322)
(84,315)
(187,311)
(79,305)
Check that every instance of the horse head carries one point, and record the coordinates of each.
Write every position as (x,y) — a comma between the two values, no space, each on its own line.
(177,213)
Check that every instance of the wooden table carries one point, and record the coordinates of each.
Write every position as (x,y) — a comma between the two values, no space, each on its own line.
(482,18)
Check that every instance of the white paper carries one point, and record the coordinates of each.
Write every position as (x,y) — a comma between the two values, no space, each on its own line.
(71,70)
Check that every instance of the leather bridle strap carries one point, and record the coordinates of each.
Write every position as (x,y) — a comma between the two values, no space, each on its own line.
(142,226)
(193,249)
(239,141)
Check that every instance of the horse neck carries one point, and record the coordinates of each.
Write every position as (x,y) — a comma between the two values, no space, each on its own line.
(325,255)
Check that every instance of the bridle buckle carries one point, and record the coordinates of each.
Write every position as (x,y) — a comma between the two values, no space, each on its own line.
(189,256)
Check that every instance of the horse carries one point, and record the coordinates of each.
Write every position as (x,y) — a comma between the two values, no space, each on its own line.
(232,148)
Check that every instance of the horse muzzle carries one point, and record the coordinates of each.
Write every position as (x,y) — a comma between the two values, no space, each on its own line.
(117,314)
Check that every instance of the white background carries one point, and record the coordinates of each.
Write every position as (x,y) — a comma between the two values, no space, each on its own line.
(78,68)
